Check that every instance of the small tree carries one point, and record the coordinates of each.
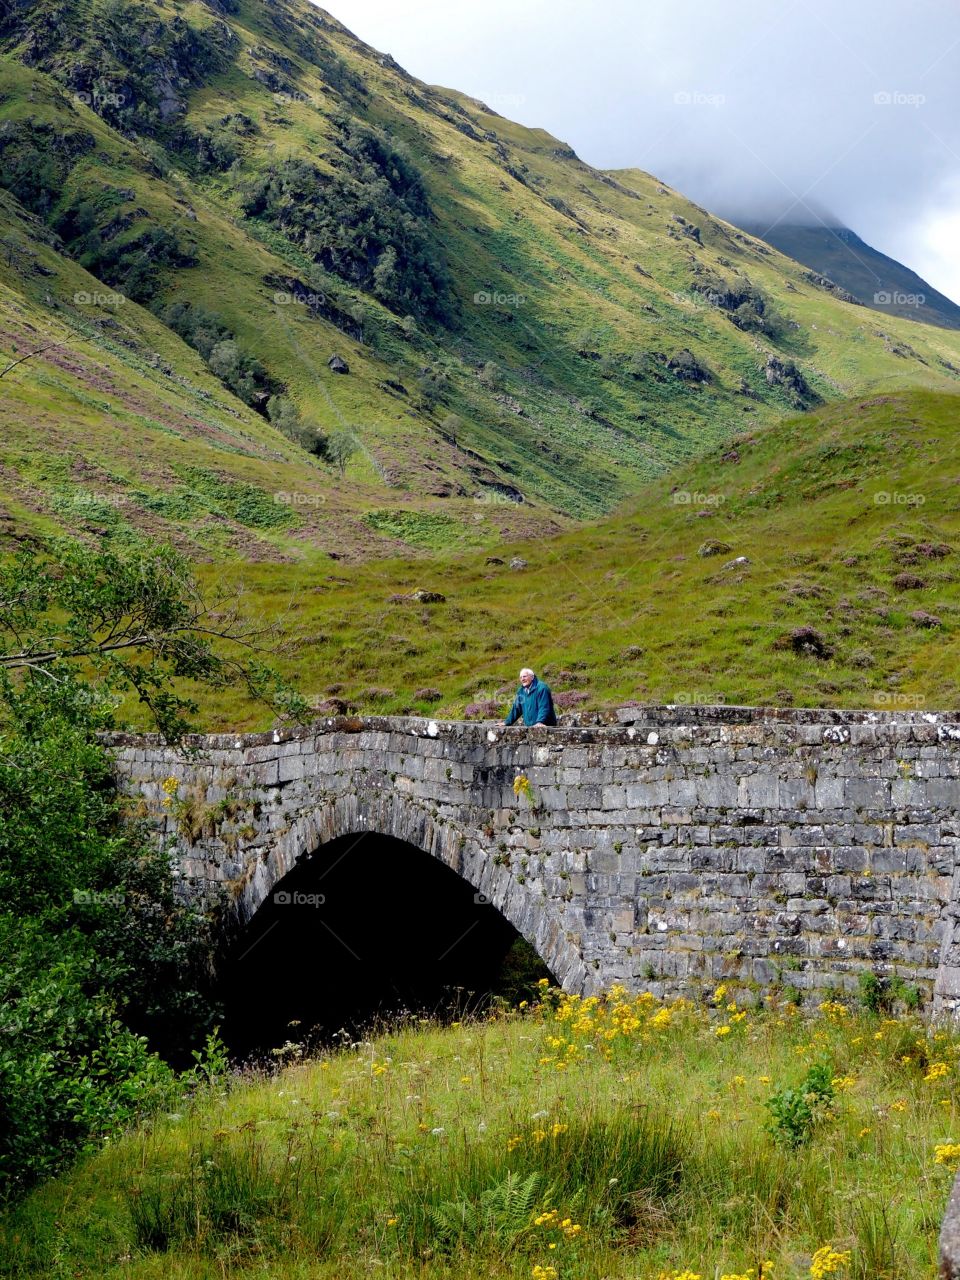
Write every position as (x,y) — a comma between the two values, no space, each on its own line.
(341,447)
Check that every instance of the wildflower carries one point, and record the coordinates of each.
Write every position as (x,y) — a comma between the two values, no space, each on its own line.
(764,1080)
(680,1275)
(947,1153)
(543,1273)
(438,1132)
(842,1083)
(558,1129)
(513,1143)
(738,1017)
(827,1261)
(722,1031)
(466,1079)
(380,1068)
(720,992)
(863,1133)
(899,1105)
(546,1219)
(392,1222)
(737,1081)
(936,1072)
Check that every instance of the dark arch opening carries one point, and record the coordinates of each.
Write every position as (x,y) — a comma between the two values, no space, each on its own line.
(367,928)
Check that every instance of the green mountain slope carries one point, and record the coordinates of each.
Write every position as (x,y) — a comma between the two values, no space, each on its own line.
(814,563)
(875,279)
(251,191)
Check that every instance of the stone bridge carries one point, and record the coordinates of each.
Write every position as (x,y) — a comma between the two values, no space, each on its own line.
(665,848)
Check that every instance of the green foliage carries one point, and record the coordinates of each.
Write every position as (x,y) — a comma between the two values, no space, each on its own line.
(102,965)
(369,222)
(235,367)
(503,1212)
(795,1112)
(879,994)
(99,961)
(520,972)
(246,503)
(419,528)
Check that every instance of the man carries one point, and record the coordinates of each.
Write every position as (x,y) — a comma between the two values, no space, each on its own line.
(534,701)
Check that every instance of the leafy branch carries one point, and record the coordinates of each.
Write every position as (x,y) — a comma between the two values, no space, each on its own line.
(134,619)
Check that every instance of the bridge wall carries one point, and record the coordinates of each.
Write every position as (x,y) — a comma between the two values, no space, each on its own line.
(668,850)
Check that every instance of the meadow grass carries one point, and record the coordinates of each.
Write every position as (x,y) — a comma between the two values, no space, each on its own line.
(615,1137)
(845,522)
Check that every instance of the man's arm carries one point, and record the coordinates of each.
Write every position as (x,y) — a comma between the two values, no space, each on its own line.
(515,711)
(544,704)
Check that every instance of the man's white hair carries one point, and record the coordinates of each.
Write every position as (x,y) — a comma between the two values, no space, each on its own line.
(526,671)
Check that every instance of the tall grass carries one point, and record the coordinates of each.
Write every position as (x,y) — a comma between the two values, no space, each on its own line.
(618,1138)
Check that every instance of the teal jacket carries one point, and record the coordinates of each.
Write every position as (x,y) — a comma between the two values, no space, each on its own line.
(534,704)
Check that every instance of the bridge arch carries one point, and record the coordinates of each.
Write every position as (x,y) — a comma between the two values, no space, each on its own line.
(378,811)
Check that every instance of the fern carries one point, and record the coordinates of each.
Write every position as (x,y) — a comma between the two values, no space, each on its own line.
(505,1210)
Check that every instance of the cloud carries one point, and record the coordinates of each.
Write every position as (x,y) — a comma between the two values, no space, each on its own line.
(800,108)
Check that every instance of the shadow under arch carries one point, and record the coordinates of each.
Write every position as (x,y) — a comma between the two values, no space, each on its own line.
(366,926)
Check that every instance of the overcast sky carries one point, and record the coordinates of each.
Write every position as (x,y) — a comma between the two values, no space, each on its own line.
(747,106)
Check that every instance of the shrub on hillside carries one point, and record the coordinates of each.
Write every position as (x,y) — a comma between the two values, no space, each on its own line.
(368,222)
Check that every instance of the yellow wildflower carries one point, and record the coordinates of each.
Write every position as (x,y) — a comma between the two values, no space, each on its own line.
(899,1105)
(723,1031)
(936,1072)
(392,1222)
(827,1261)
(947,1153)
(543,1273)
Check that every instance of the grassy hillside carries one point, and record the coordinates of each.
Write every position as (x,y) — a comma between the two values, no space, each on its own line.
(814,563)
(520,330)
(557,1145)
